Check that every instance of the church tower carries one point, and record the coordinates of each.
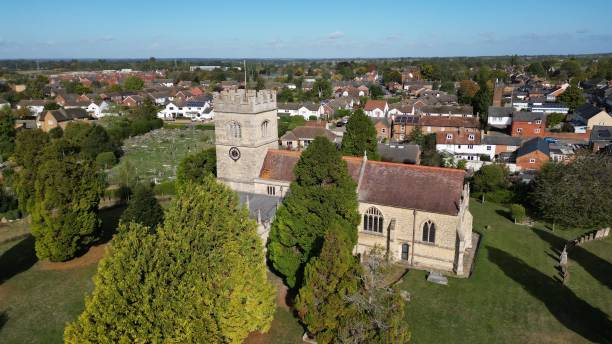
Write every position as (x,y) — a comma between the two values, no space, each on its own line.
(245,129)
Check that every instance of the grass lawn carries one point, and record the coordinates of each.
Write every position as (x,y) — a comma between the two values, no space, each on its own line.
(512,296)
(155,155)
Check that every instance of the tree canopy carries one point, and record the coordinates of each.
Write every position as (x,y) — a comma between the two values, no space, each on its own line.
(7,133)
(572,97)
(143,208)
(490,178)
(28,157)
(195,167)
(360,136)
(133,83)
(323,193)
(175,285)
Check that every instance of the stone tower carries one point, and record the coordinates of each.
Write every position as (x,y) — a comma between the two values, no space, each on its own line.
(245,128)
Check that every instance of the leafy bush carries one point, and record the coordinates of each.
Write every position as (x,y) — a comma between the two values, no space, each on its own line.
(106,160)
(518,212)
(165,188)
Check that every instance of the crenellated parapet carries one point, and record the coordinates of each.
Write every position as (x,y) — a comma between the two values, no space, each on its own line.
(245,101)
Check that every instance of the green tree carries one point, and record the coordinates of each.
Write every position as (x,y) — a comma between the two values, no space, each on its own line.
(328,280)
(65,213)
(482,100)
(466,91)
(578,194)
(7,133)
(195,167)
(536,68)
(376,92)
(133,83)
(571,68)
(554,119)
(392,76)
(322,89)
(323,193)
(518,212)
(490,178)
(416,136)
(52,106)
(143,208)
(106,160)
(56,132)
(179,288)
(28,157)
(360,136)
(91,139)
(572,97)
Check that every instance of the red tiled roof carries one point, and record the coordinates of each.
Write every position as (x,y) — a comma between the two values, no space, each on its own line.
(447,121)
(461,138)
(375,104)
(432,189)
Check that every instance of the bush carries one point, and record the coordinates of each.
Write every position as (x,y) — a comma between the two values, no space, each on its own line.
(165,188)
(518,212)
(208,126)
(500,196)
(312,118)
(106,160)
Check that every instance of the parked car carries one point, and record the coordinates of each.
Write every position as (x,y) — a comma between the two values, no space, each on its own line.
(551,140)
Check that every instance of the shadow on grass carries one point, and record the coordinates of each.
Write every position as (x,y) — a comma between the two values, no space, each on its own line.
(597,267)
(571,311)
(505,214)
(3,319)
(17,259)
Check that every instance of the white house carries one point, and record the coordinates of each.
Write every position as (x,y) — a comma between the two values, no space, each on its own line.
(548,108)
(310,109)
(500,117)
(376,108)
(464,145)
(98,110)
(196,110)
(36,106)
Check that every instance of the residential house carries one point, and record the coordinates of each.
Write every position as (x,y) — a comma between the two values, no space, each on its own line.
(400,152)
(562,152)
(533,154)
(528,124)
(446,110)
(309,109)
(61,117)
(499,117)
(36,106)
(300,137)
(434,124)
(464,145)
(132,101)
(376,108)
(504,145)
(586,116)
(403,126)
(601,137)
(548,108)
(196,110)
(383,129)
(98,109)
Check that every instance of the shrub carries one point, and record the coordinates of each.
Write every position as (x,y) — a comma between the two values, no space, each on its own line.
(165,188)
(106,160)
(500,196)
(518,212)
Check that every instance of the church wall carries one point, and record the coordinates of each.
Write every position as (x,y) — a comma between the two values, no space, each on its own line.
(439,255)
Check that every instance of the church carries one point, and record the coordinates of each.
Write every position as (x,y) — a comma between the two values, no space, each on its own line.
(419,214)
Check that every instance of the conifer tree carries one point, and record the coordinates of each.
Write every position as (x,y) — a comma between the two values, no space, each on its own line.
(328,280)
(194,167)
(27,155)
(360,136)
(201,278)
(323,193)
(143,208)
(65,211)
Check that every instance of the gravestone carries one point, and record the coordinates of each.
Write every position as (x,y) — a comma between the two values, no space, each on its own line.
(436,277)
(563,258)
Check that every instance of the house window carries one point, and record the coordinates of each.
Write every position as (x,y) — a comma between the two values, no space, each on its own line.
(373,221)
(538,121)
(405,249)
(488,147)
(519,130)
(449,136)
(536,130)
(402,128)
(429,232)
(532,161)
(458,146)
(471,137)
(271,190)
(264,128)
(235,130)
(383,130)
(470,146)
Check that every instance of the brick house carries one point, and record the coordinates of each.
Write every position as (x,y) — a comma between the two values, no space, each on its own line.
(529,124)
(533,154)
(53,118)
(383,129)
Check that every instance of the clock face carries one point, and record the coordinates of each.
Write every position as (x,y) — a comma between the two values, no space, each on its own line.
(234,153)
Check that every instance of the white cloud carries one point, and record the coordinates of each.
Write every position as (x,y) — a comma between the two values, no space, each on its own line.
(335,35)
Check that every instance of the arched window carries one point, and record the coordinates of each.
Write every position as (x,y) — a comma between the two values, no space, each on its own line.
(235,130)
(373,220)
(429,232)
(264,128)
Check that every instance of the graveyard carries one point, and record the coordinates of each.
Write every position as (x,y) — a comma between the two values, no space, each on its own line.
(154,156)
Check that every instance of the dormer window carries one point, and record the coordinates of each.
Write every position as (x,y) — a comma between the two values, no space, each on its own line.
(538,121)
(471,137)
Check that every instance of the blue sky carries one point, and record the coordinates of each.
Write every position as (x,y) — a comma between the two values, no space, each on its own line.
(332,28)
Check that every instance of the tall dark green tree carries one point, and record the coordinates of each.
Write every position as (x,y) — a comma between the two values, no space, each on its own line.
(178,286)
(572,97)
(376,92)
(482,100)
(329,280)
(65,212)
(143,208)
(7,133)
(360,136)
(323,193)
(490,178)
(195,167)
(28,146)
